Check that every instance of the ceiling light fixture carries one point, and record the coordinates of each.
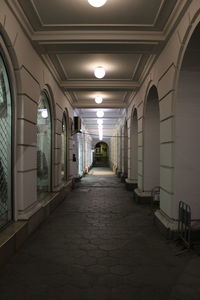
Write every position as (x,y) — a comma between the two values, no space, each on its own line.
(97,3)
(100,113)
(44,113)
(98,100)
(99,72)
(100,122)
(100,127)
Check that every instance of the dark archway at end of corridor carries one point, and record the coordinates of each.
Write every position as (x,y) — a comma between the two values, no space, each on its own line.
(101,155)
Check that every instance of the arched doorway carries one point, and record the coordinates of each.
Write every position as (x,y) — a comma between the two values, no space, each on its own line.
(101,155)
(133,174)
(151,141)
(5,147)
(187,124)
(125,151)
(44,147)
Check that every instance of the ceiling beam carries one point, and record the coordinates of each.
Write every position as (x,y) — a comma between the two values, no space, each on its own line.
(100,84)
(104,118)
(91,36)
(103,106)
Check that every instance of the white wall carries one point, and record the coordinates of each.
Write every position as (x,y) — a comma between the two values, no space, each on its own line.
(187,147)
(164,74)
(32,76)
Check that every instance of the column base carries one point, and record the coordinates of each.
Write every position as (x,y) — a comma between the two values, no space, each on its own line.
(142,197)
(167,226)
(130,184)
(123,177)
(119,174)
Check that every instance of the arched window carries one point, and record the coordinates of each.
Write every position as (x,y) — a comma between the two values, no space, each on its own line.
(5,147)
(44,145)
(80,154)
(64,149)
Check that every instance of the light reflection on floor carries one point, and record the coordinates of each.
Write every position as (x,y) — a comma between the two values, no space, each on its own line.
(101,172)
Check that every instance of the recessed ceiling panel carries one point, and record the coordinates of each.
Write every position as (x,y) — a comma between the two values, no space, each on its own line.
(111,119)
(108,96)
(80,12)
(81,66)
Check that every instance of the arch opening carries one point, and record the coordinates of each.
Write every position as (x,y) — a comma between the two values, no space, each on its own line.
(187,124)
(151,141)
(101,155)
(134,147)
(125,152)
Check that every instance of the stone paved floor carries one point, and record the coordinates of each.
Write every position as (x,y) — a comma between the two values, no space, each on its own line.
(100,245)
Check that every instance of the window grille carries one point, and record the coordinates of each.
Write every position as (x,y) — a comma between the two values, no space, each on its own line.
(5,147)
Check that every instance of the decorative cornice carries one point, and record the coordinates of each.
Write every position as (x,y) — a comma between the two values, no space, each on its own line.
(96,84)
(109,36)
(21,17)
(104,105)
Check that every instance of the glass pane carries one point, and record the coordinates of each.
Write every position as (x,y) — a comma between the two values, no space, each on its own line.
(43,147)
(80,154)
(5,147)
(64,150)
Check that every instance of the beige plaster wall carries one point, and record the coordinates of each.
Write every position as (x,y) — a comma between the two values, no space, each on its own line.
(164,75)
(32,76)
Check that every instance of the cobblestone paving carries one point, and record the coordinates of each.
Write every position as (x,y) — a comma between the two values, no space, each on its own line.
(100,245)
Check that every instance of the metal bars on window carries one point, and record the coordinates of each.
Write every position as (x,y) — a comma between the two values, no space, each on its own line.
(5,147)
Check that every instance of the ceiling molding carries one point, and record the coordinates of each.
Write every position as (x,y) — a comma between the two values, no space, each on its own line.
(175,17)
(21,17)
(162,12)
(51,67)
(78,36)
(102,106)
(145,38)
(102,84)
(70,98)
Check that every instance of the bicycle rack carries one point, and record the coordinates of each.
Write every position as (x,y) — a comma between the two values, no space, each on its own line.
(184,223)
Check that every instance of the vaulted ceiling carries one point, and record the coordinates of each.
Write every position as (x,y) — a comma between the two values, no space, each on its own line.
(124,37)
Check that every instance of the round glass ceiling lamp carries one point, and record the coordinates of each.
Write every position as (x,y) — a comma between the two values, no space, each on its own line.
(100,122)
(97,3)
(99,72)
(44,113)
(100,113)
(98,100)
